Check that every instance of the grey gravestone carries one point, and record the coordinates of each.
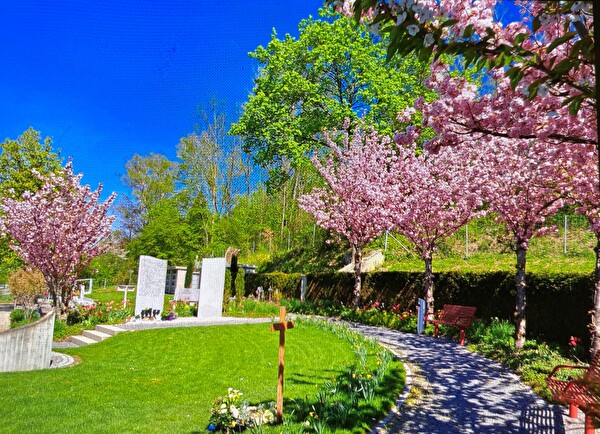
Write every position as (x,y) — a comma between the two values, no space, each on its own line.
(212,287)
(152,277)
(191,294)
(195,280)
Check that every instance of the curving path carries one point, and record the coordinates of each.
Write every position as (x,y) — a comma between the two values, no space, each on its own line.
(457,391)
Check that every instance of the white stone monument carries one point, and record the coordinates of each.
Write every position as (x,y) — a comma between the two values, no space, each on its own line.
(212,288)
(152,276)
(191,294)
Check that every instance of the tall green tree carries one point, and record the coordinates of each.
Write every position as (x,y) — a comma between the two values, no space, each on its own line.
(166,234)
(211,161)
(335,69)
(151,179)
(18,159)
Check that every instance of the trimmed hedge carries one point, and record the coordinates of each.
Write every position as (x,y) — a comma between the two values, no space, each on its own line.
(557,304)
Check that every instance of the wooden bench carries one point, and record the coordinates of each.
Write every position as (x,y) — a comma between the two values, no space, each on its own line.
(581,392)
(456,316)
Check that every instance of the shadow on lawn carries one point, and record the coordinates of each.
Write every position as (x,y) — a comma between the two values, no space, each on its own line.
(340,403)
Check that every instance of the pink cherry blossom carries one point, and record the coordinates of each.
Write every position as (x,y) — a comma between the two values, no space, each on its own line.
(58,229)
(353,204)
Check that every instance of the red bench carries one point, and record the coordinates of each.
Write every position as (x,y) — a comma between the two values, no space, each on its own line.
(456,316)
(581,392)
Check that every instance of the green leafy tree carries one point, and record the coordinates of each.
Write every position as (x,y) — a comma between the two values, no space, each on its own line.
(105,267)
(169,232)
(151,179)
(22,156)
(18,159)
(334,70)
(211,163)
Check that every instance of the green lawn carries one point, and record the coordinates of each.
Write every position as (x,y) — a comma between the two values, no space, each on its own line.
(166,380)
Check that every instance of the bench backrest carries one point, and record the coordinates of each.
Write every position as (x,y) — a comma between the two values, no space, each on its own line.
(593,373)
(458,315)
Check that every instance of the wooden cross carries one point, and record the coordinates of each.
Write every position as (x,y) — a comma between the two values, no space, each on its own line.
(281,326)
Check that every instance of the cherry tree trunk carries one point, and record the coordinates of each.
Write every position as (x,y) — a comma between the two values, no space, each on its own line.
(428,285)
(520,320)
(357,257)
(595,312)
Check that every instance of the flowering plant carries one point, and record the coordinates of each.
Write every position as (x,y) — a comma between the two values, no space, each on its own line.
(229,414)
(576,351)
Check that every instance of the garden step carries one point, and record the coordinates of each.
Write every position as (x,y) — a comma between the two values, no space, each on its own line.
(96,335)
(82,341)
(110,329)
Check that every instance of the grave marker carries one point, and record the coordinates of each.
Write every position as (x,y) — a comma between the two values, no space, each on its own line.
(125,289)
(152,277)
(212,287)
(281,327)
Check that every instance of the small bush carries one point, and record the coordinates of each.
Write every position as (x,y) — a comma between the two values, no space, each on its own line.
(20,317)
(25,285)
(17,315)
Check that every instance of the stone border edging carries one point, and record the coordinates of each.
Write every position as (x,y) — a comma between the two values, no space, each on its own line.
(60,360)
(395,410)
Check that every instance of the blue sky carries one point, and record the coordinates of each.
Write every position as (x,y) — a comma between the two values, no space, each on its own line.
(108,79)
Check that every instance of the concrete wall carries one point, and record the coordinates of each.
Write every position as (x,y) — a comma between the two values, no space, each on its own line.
(4,320)
(28,347)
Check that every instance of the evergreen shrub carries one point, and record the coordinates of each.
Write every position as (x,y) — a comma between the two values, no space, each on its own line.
(557,304)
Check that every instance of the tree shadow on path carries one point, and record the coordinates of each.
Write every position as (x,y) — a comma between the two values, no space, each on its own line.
(468,393)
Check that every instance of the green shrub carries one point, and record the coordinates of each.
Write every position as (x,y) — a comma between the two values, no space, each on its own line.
(74,317)
(20,317)
(557,304)
(287,285)
(17,315)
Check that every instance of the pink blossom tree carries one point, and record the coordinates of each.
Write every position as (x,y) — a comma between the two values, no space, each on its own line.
(442,196)
(354,202)
(586,196)
(552,39)
(525,184)
(535,144)
(58,229)
(541,64)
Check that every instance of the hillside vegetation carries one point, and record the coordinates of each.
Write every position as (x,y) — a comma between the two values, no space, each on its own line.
(484,246)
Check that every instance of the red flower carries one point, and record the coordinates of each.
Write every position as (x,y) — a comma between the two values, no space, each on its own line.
(573,342)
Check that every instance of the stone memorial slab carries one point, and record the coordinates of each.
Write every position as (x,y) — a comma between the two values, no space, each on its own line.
(191,294)
(212,288)
(152,277)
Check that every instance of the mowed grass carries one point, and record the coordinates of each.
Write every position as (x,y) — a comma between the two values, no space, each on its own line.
(165,380)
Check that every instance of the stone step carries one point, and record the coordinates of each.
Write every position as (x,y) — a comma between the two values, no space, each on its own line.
(82,341)
(110,329)
(96,335)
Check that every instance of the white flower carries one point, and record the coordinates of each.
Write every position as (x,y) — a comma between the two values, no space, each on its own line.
(234,411)
(578,7)
(428,40)
(400,18)
(412,29)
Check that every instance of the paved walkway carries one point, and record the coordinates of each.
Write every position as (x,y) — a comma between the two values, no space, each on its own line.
(457,391)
